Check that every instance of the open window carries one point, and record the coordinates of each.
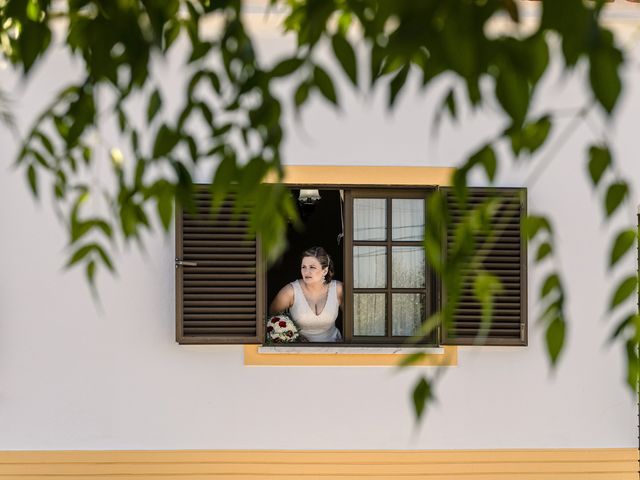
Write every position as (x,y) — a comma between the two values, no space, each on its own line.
(374,235)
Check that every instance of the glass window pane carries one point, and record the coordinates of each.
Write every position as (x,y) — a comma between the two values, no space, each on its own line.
(408,313)
(369,313)
(408,268)
(369,267)
(407,218)
(369,219)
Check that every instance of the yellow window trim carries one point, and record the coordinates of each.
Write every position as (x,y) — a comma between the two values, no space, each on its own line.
(449,358)
(356,175)
(349,175)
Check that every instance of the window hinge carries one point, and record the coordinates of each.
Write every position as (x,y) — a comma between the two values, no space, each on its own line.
(185,264)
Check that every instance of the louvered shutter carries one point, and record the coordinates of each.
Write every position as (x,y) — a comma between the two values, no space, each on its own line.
(219,299)
(505,258)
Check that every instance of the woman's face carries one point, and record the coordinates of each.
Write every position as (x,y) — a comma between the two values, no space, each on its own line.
(312,271)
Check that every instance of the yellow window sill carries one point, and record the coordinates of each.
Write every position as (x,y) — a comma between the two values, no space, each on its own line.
(257,355)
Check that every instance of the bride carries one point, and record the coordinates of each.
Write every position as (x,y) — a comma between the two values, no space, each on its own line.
(313,300)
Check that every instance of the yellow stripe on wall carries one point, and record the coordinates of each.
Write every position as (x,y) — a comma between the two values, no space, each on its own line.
(567,464)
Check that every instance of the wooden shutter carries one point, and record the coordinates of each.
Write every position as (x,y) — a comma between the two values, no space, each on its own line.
(505,258)
(220,299)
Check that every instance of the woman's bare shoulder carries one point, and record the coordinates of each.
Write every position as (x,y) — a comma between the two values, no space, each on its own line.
(283,300)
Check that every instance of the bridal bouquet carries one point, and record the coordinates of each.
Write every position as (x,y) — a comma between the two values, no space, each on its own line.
(281,329)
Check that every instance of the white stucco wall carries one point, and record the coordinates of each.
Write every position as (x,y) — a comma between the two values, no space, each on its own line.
(80,374)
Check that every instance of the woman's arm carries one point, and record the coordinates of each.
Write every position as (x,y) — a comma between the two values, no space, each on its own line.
(283,300)
(339,292)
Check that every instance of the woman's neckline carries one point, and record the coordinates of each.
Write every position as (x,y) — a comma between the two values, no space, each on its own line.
(306,300)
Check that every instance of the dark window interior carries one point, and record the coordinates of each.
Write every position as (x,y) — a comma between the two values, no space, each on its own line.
(322,227)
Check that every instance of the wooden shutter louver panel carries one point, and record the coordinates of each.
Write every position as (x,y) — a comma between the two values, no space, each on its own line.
(506,258)
(219,300)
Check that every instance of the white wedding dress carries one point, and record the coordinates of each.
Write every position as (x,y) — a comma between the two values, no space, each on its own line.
(316,328)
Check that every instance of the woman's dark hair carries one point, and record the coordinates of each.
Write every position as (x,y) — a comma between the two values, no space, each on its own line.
(323,257)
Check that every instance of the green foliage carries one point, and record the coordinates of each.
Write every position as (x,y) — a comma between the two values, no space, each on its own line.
(599,162)
(616,193)
(230,95)
(155,102)
(531,136)
(346,56)
(422,396)
(623,291)
(624,241)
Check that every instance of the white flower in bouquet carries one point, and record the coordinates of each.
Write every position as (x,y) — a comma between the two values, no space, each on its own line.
(281,329)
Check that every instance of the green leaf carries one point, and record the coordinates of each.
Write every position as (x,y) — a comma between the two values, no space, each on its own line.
(46,142)
(604,76)
(33,10)
(487,158)
(214,81)
(301,95)
(422,395)
(199,50)
(170,34)
(599,161)
(39,157)
(166,140)
(346,56)
(164,201)
(623,324)
(624,290)
(544,250)
(533,224)
(450,102)
(286,67)
(79,229)
(324,83)
(622,244)
(551,283)
(225,175)
(81,253)
(530,137)
(512,91)
(91,272)
(616,193)
(104,257)
(32,178)
(396,85)
(155,102)
(555,336)
(485,287)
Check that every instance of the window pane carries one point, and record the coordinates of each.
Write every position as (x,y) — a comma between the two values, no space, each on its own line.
(407,219)
(408,312)
(408,267)
(369,219)
(369,313)
(369,267)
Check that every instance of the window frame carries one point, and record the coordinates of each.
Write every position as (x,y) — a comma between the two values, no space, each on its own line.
(430,289)
(344,178)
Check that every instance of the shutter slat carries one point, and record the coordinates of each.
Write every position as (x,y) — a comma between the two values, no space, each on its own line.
(221,284)
(219,297)
(505,257)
